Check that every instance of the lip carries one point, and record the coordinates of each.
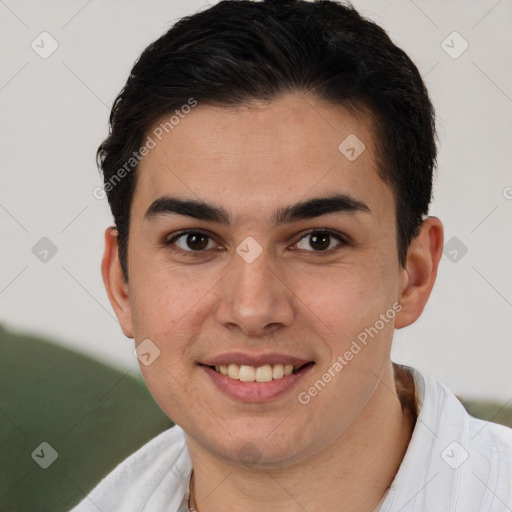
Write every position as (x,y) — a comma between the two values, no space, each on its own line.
(256,392)
(255,360)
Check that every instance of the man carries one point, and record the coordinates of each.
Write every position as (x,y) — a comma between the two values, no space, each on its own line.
(269,170)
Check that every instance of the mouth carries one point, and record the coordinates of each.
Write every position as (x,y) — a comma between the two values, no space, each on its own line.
(266,379)
(264,373)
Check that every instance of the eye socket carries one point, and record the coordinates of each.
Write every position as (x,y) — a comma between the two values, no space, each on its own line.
(195,242)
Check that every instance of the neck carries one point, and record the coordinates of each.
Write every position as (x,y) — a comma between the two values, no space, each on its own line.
(356,470)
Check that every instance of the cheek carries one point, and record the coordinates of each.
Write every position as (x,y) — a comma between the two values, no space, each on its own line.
(170,385)
(345,298)
(165,310)
(162,298)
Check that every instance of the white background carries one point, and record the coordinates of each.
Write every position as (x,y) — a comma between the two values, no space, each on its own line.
(54,114)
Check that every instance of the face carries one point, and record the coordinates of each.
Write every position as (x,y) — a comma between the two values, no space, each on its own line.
(260,281)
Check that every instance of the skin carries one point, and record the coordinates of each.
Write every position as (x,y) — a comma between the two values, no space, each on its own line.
(347,443)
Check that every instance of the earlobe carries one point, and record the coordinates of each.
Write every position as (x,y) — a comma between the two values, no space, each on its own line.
(420,271)
(115,284)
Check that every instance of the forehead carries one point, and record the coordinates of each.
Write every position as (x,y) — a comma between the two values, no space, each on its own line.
(253,158)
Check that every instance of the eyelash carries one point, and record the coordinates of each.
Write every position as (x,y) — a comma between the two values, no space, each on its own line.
(342,241)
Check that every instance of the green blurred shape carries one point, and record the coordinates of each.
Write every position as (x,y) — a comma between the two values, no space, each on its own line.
(91,414)
(488,410)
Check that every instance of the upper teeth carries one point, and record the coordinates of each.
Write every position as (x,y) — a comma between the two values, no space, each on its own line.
(264,373)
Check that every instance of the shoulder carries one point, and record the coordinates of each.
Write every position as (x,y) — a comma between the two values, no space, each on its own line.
(160,466)
(488,435)
(489,461)
(477,453)
(490,439)
(454,461)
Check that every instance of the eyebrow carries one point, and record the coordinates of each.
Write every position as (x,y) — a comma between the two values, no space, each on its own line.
(309,209)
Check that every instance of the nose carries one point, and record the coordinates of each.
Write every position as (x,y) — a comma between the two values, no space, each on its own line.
(254,297)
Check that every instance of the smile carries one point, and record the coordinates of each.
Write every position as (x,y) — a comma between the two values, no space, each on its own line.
(264,373)
(261,381)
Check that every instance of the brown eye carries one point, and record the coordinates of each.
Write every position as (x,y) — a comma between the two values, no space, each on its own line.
(319,241)
(192,241)
(196,241)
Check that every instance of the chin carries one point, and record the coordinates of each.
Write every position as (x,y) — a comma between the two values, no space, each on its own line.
(259,447)
(259,456)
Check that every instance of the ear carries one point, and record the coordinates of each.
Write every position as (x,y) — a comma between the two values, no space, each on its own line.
(115,284)
(420,271)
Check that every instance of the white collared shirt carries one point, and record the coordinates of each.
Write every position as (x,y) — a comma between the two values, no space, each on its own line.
(454,463)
